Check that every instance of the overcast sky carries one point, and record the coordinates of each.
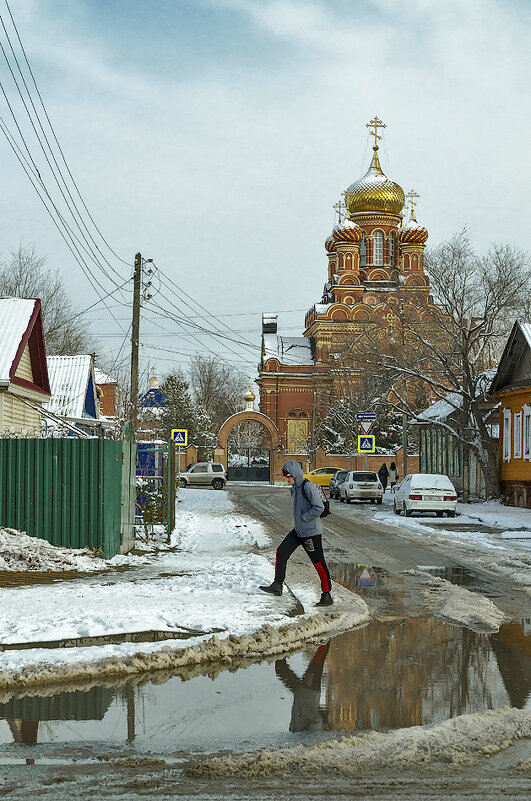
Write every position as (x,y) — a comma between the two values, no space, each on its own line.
(214,136)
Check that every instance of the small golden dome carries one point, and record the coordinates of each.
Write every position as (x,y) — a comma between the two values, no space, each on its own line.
(375,192)
(249,396)
(329,244)
(413,233)
(347,231)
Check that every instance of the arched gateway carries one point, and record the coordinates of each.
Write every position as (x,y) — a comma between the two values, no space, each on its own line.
(276,450)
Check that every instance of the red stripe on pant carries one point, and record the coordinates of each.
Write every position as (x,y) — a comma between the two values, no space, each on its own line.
(325,584)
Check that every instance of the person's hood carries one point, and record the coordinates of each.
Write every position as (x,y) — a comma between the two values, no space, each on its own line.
(295,470)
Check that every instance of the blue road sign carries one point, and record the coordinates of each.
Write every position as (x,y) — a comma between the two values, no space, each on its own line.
(366,416)
(180,436)
(366,443)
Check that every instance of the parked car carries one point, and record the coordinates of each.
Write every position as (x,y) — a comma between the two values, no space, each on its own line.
(425,492)
(204,474)
(335,482)
(361,485)
(322,475)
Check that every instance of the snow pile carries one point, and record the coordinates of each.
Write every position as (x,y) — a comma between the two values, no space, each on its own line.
(456,743)
(458,605)
(20,553)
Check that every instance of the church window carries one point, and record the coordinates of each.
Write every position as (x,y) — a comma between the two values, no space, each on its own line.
(392,250)
(378,248)
(292,414)
(363,251)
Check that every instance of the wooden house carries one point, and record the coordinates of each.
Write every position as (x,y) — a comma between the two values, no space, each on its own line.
(24,384)
(512,388)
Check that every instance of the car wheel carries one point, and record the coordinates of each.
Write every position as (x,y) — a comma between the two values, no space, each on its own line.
(183,482)
(341,499)
(373,501)
(450,514)
(407,512)
(396,510)
(378,500)
(336,496)
(217,483)
(347,500)
(439,514)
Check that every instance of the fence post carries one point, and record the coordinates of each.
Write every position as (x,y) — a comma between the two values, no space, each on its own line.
(171,489)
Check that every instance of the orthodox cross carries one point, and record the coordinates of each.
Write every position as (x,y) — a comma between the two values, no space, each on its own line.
(412,197)
(340,208)
(375,123)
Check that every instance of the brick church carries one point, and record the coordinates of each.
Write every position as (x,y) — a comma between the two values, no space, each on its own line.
(375,275)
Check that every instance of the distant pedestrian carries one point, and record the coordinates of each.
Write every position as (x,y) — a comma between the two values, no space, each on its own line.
(393,475)
(383,474)
(307,508)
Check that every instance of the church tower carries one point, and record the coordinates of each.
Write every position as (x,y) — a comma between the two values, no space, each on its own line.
(375,275)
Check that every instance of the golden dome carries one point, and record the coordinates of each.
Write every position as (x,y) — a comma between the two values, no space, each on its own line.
(375,192)
(249,396)
(330,245)
(347,231)
(413,233)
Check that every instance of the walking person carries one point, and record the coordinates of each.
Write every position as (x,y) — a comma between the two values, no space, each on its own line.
(383,474)
(393,475)
(308,531)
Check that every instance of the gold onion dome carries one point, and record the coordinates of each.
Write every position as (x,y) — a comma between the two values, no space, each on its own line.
(347,231)
(375,192)
(329,244)
(249,396)
(413,233)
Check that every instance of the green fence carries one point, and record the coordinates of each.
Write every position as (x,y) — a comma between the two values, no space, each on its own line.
(75,493)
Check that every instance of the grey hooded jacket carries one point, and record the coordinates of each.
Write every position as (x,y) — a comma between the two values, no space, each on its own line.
(306,513)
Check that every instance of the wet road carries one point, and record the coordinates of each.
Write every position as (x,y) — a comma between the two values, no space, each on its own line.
(129,740)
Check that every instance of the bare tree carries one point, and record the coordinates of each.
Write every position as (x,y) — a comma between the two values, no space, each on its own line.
(217,388)
(26,276)
(456,348)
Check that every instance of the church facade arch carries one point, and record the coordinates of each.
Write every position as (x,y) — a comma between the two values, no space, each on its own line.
(276,450)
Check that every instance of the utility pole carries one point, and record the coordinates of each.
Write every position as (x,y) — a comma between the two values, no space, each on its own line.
(135,337)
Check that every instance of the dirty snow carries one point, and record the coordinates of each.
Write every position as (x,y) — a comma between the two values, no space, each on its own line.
(205,591)
(21,553)
(456,743)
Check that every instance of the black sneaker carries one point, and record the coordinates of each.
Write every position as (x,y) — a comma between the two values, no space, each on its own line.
(325,600)
(274,589)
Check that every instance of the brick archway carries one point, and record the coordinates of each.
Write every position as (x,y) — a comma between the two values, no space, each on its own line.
(221,450)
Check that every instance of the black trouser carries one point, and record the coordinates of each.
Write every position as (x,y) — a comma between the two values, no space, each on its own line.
(313,547)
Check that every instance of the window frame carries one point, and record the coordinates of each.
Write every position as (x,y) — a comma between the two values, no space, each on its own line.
(517,435)
(377,247)
(506,435)
(526,433)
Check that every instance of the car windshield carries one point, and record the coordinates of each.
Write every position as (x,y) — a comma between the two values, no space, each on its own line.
(364,477)
(340,474)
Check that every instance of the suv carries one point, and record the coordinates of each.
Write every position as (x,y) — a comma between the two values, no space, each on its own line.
(335,483)
(204,474)
(361,485)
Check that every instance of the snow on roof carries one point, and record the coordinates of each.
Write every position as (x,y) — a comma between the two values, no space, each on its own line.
(441,409)
(288,350)
(69,380)
(15,316)
(526,331)
(103,378)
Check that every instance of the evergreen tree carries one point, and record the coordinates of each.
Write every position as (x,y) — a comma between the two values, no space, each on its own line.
(182,412)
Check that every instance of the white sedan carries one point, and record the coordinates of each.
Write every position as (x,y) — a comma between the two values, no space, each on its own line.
(361,485)
(425,492)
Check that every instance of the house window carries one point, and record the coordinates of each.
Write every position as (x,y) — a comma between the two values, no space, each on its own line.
(506,435)
(378,248)
(517,433)
(363,251)
(527,433)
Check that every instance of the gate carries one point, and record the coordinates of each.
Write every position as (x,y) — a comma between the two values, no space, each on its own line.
(155,485)
(75,493)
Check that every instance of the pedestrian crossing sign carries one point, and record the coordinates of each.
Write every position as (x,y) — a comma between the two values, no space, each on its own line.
(180,436)
(366,443)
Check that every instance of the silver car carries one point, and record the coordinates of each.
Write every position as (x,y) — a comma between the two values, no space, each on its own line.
(204,474)
(335,483)
(361,485)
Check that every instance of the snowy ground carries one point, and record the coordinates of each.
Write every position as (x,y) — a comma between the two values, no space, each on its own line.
(205,590)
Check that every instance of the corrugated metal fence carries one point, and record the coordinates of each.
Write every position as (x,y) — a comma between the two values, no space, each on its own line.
(75,493)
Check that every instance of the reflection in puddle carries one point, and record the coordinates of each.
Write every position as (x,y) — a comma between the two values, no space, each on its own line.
(387,675)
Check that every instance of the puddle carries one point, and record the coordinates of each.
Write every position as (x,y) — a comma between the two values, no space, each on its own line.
(387,675)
